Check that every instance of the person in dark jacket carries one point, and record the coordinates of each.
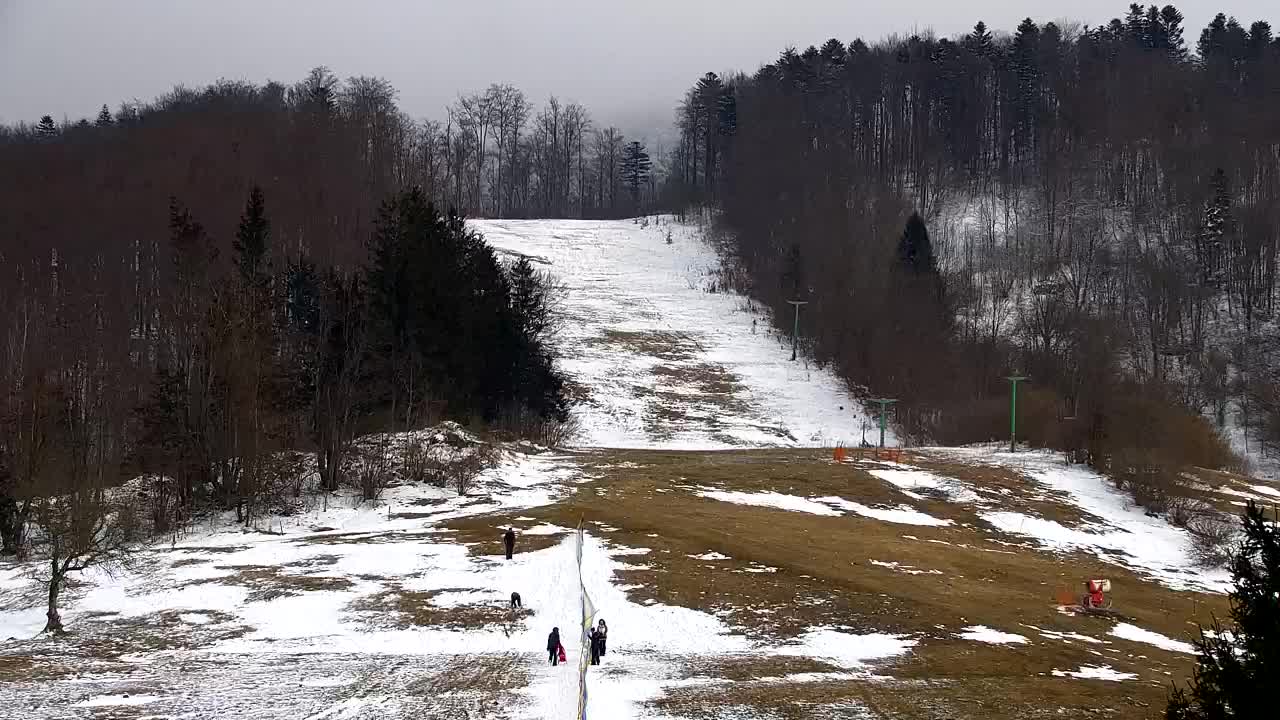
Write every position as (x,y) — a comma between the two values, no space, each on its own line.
(515,601)
(594,636)
(603,631)
(509,539)
(553,646)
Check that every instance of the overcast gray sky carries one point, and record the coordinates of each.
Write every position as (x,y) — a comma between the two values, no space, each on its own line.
(627,60)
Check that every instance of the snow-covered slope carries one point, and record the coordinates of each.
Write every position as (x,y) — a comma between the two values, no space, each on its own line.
(662,361)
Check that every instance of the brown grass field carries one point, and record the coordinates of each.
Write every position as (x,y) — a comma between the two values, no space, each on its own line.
(824,577)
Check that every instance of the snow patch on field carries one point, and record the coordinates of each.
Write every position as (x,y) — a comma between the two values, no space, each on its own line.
(1066,637)
(905,569)
(848,650)
(984,634)
(1125,536)
(769,499)
(1096,672)
(1126,631)
(915,483)
(902,514)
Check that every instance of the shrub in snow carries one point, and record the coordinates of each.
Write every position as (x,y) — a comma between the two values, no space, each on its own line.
(1183,511)
(1212,537)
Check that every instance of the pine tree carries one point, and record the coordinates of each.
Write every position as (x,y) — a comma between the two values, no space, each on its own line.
(104,117)
(47,128)
(635,169)
(1216,227)
(1135,23)
(1174,43)
(1024,61)
(250,243)
(979,42)
(1237,668)
(915,251)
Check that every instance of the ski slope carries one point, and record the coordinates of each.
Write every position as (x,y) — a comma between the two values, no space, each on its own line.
(308,620)
(662,360)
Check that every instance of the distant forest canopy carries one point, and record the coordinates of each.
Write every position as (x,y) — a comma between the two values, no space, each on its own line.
(193,289)
(496,155)
(1098,208)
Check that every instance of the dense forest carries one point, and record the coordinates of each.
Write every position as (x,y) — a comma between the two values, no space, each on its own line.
(1097,208)
(199,290)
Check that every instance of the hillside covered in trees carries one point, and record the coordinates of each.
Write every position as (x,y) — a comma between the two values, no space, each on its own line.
(197,289)
(1095,207)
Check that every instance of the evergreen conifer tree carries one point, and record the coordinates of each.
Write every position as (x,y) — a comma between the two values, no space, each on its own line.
(47,128)
(915,251)
(1238,667)
(104,117)
(635,169)
(979,42)
(250,243)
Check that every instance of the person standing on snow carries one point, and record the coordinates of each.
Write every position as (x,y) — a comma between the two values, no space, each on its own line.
(553,646)
(594,636)
(509,540)
(603,632)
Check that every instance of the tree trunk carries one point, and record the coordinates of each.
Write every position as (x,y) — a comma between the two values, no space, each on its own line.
(53,624)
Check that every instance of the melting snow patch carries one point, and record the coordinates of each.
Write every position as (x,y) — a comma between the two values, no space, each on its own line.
(1133,632)
(545,530)
(1266,490)
(630,550)
(1096,672)
(982,633)
(1228,490)
(770,499)
(1154,546)
(846,649)
(903,514)
(916,480)
(1066,637)
(1127,536)
(908,569)
(710,556)
(195,618)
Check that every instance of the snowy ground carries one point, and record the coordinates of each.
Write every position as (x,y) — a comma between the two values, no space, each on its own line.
(1125,536)
(303,623)
(664,362)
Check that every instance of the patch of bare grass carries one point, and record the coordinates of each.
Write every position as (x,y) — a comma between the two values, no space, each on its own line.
(17,668)
(663,345)
(397,607)
(752,667)
(706,378)
(315,561)
(267,582)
